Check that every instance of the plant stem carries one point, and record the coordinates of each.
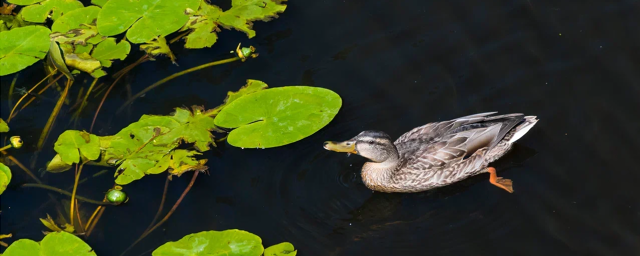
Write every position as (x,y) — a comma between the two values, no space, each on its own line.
(6,147)
(91,218)
(54,115)
(93,225)
(164,197)
(75,188)
(40,92)
(79,219)
(156,84)
(24,168)
(13,85)
(25,95)
(47,187)
(111,87)
(166,217)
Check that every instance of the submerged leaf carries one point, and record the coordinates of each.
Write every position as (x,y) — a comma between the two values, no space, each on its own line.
(278,116)
(53,244)
(204,23)
(21,47)
(54,8)
(231,242)
(144,19)
(71,144)
(51,225)
(5,177)
(75,18)
(109,50)
(4,127)
(281,249)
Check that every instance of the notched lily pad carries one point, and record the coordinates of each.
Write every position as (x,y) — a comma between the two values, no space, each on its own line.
(72,144)
(144,19)
(229,243)
(54,8)
(55,243)
(21,47)
(278,116)
(75,18)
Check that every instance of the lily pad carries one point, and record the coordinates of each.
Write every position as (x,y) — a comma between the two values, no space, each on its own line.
(278,116)
(5,177)
(229,243)
(195,127)
(73,19)
(281,249)
(144,19)
(24,2)
(99,2)
(4,127)
(204,22)
(21,47)
(109,50)
(71,144)
(53,8)
(53,244)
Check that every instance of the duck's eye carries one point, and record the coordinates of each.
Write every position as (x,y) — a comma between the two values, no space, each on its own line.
(349,143)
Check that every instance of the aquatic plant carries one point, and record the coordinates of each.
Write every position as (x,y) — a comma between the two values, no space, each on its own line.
(54,243)
(5,172)
(231,242)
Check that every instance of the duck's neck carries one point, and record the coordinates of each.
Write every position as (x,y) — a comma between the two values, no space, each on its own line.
(378,175)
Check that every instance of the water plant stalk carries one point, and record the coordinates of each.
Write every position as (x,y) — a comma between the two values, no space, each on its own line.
(40,92)
(54,115)
(75,188)
(166,217)
(25,95)
(47,187)
(166,79)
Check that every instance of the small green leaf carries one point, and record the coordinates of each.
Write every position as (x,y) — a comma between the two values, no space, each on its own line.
(144,19)
(71,144)
(82,35)
(75,18)
(278,116)
(109,50)
(53,244)
(21,47)
(9,22)
(281,249)
(195,127)
(158,46)
(4,127)
(55,8)
(5,177)
(229,243)
(205,22)
(134,169)
(82,61)
(99,2)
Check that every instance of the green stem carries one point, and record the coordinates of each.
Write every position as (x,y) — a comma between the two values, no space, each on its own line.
(6,147)
(47,187)
(75,188)
(54,115)
(156,84)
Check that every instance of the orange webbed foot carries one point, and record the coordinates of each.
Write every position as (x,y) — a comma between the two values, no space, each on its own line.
(500,182)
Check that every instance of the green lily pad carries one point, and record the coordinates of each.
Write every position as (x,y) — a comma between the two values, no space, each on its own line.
(71,144)
(54,8)
(144,19)
(281,249)
(73,19)
(109,50)
(278,116)
(21,47)
(228,243)
(53,244)
(24,2)
(204,22)
(4,127)
(5,177)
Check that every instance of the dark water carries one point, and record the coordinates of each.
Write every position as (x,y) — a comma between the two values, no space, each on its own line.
(397,65)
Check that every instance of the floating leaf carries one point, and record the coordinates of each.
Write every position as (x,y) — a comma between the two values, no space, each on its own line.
(281,249)
(21,47)
(75,18)
(82,61)
(158,46)
(109,50)
(24,2)
(4,127)
(99,2)
(8,22)
(71,144)
(195,127)
(278,116)
(229,243)
(204,23)
(78,36)
(134,169)
(5,177)
(54,8)
(144,19)
(55,243)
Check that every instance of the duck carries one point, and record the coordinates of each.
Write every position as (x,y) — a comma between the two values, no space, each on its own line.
(436,154)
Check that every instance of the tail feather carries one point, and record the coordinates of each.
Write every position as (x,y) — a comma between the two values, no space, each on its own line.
(523,128)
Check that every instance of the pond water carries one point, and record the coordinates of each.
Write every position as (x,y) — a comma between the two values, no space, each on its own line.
(396,65)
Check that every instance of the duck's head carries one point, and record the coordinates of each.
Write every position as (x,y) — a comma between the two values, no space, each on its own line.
(374,145)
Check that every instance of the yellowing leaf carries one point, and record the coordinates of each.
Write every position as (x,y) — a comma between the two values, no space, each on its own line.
(158,46)
(205,22)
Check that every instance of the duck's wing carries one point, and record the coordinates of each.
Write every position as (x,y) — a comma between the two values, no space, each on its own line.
(444,143)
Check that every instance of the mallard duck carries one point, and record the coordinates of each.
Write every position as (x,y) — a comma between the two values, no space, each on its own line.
(436,154)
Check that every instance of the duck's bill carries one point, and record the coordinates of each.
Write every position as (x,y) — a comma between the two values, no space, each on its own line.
(345,146)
